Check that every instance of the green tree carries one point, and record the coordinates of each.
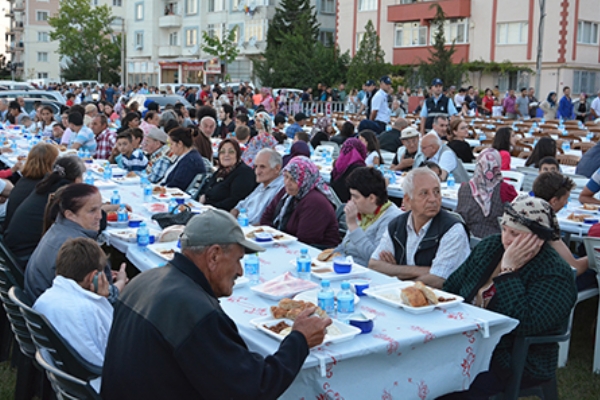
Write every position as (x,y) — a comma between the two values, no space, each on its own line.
(226,50)
(439,64)
(287,16)
(5,65)
(368,62)
(86,38)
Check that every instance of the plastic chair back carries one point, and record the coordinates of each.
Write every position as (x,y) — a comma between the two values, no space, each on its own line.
(340,215)
(14,314)
(197,183)
(514,178)
(11,262)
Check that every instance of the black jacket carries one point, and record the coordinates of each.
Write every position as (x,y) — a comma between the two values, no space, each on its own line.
(226,193)
(339,185)
(170,339)
(22,189)
(390,140)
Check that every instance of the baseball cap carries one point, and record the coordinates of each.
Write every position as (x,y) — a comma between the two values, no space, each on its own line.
(370,82)
(300,116)
(408,133)
(157,134)
(385,79)
(437,81)
(216,227)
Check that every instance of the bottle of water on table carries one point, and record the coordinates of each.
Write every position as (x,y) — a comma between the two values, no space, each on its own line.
(148,193)
(116,197)
(143,178)
(303,265)
(243,218)
(325,298)
(173,206)
(122,215)
(252,269)
(143,236)
(345,303)
(89,178)
(107,174)
(450,181)
(566,146)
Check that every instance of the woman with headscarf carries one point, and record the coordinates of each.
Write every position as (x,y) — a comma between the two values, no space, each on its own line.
(305,207)
(264,139)
(352,155)
(267,101)
(299,148)
(232,182)
(321,132)
(481,200)
(520,275)
(549,106)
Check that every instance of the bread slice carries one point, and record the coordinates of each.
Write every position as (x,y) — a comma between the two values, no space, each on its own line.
(413,297)
(428,293)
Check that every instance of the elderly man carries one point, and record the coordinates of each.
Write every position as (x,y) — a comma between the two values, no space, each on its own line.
(207,126)
(405,156)
(437,104)
(432,149)
(178,340)
(157,151)
(440,126)
(426,243)
(267,167)
(390,140)
(91,110)
(105,139)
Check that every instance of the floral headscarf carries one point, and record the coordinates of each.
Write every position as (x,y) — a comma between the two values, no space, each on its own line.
(321,126)
(353,151)
(486,177)
(262,141)
(265,120)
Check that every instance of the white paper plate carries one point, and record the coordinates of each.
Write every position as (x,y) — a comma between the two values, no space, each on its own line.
(240,282)
(342,331)
(357,270)
(291,290)
(129,234)
(102,184)
(584,210)
(159,249)
(390,295)
(285,238)
(124,180)
(312,296)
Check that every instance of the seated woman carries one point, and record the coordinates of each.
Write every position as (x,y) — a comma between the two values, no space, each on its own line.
(346,132)
(305,207)
(545,147)
(78,210)
(264,139)
(520,275)
(369,139)
(300,148)
(321,132)
(503,142)
(40,161)
(25,228)
(232,182)
(189,162)
(481,200)
(352,155)
(459,131)
(368,213)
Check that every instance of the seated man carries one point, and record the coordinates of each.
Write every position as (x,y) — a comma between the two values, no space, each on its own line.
(392,140)
(297,126)
(440,126)
(405,156)
(549,164)
(178,341)
(267,167)
(432,149)
(302,136)
(428,242)
(242,136)
(81,137)
(76,303)
(132,159)
(156,148)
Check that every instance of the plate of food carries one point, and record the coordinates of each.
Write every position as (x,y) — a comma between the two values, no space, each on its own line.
(322,267)
(129,234)
(589,207)
(267,236)
(413,297)
(285,285)
(131,178)
(582,218)
(162,193)
(166,251)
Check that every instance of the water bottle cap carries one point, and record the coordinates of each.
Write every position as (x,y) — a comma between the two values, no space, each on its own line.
(304,251)
(143,224)
(345,286)
(325,283)
(115,192)
(242,210)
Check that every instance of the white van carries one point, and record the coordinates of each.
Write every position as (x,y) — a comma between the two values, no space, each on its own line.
(14,85)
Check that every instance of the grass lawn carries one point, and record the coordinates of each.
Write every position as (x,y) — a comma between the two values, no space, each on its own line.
(575,382)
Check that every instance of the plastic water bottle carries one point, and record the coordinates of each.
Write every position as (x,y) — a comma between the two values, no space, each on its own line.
(566,146)
(143,178)
(80,153)
(589,136)
(482,137)
(391,176)
(450,181)
(13,145)
(303,265)
(116,197)
(345,303)
(148,193)
(122,214)
(107,174)
(89,178)
(329,158)
(173,205)
(243,218)
(252,269)
(86,154)
(325,298)
(143,236)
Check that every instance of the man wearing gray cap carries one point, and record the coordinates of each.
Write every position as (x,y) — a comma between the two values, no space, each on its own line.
(170,339)
(157,151)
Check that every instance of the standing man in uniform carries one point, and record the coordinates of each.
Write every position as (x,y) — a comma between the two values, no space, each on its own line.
(437,104)
(368,97)
(379,117)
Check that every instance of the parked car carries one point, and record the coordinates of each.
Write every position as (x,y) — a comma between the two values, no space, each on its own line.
(161,99)
(298,92)
(14,85)
(29,102)
(34,94)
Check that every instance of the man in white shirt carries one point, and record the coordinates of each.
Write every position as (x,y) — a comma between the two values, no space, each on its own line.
(380,109)
(76,304)
(595,108)
(440,126)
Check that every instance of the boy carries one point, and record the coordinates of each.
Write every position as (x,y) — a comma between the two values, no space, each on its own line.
(132,159)
(301,135)
(549,164)
(242,135)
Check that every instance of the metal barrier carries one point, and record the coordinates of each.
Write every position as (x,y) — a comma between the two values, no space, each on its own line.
(317,107)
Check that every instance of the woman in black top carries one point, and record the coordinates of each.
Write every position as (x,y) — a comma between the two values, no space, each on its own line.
(232,182)
(346,132)
(352,155)
(545,147)
(459,130)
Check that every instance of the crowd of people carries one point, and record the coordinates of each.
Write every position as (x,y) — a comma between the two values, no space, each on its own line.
(521,267)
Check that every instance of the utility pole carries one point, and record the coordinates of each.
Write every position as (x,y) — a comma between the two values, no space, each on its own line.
(540,45)
(123,75)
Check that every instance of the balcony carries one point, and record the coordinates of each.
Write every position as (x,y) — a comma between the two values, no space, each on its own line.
(414,55)
(17,27)
(421,11)
(19,6)
(169,51)
(169,21)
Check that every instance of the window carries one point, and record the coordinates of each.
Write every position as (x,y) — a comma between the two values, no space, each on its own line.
(585,82)
(139,11)
(41,16)
(42,75)
(587,32)
(328,6)
(367,5)
(326,37)
(42,56)
(216,5)
(174,39)
(256,29)
(117,3)
(513,80)
(191,7)
(238,37)
(359,38)
(455,30)
(237,5)
(191,37)
(409,34)
(43,37)
(95,2)
(512,33)
(138,38)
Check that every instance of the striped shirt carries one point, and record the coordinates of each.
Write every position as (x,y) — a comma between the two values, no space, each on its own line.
(136,162)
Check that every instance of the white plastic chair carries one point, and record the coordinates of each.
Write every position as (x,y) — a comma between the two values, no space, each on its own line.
(592,248)
(387,156)
(514,178)
(470,168)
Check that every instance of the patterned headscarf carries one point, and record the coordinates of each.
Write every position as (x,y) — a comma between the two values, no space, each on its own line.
(486,177)
(321,126)
(533,215)
(261,141)
(265,120)
(353,151)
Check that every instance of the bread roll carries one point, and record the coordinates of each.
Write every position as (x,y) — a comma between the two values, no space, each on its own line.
(413,297)
(171,234)
(428,293)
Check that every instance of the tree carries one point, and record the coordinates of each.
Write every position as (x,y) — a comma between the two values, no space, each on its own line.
(439,64)
(226,49)
(368,62)
(86,38)
(287,16)
(5,65)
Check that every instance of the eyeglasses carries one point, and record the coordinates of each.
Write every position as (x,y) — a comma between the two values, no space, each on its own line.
(231,151)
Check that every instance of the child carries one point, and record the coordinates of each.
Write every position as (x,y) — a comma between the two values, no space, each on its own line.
(28,124)
(549,164)
(242,135)
(301,135)
(57,132)
(132,158)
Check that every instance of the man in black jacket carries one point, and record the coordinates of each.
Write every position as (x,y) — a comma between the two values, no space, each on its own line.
(170,339)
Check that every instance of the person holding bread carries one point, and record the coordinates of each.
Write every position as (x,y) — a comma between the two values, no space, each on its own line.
(519,274)
(426,243)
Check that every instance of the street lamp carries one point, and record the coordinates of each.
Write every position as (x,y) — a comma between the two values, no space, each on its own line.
(538,63)
(122,26)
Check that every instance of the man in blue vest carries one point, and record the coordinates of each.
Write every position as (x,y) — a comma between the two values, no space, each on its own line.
(426,243)
(436,104)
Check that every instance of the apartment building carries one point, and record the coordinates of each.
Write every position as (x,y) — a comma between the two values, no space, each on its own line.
(164,37)
(488,30)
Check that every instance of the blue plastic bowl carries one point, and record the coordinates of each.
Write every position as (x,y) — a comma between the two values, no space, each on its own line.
(134,223)
(263,237)
(591,221)
(361,322)
(341,265)
(359,286)
(179,200)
